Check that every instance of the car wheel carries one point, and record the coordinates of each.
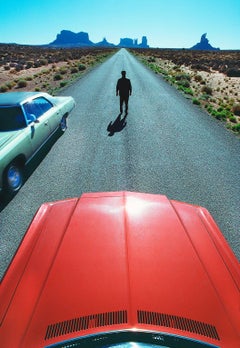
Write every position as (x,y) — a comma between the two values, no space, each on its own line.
(63,124)
(13,178)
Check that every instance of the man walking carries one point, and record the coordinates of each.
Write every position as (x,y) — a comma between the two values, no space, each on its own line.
(124,89)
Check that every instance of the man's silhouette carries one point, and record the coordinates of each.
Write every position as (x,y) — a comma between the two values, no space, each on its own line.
(124,89)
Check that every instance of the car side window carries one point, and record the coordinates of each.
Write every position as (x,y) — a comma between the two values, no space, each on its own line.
(36,108)
(43,104)
(11,118)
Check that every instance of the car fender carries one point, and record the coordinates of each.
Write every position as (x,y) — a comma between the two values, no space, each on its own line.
(9,153)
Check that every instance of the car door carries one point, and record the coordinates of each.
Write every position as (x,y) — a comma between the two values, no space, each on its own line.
(37,114)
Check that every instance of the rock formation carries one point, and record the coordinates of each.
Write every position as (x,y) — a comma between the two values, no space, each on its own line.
(104,43)
(203,44)
(126,42)
(69,39)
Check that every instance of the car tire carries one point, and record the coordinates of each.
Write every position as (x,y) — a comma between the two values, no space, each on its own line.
(13,178)
(63,124)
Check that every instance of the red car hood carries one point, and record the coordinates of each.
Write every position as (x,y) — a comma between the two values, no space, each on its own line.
(116,261)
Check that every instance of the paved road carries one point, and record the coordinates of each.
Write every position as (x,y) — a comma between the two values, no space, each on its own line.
(166,145)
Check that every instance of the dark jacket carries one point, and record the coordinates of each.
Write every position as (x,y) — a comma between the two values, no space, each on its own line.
(124,87)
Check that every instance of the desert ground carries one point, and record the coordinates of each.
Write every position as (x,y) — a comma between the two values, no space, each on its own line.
(30,68)
(210,78)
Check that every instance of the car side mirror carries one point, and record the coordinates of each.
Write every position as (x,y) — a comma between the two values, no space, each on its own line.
(32,118)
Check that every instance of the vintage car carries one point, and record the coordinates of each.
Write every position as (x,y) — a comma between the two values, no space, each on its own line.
(121,269)
(27,121)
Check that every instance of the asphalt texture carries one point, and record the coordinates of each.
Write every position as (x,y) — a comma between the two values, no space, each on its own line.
(165,145)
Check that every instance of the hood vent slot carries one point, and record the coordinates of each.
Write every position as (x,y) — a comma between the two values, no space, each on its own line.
(86,323)
(175,322)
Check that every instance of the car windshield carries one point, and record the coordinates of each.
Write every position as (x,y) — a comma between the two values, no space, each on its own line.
(132,339)
(11,118)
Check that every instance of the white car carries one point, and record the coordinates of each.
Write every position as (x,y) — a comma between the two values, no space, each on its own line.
(27,121)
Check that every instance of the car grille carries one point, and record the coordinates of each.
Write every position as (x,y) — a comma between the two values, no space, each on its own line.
(86,323)
(175,322)
(121,317)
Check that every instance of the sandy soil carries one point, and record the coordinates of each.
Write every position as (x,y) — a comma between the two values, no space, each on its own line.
(41,78)
(225,91)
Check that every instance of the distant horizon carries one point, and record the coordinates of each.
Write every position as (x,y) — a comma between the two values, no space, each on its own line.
(175,24)
(95,43)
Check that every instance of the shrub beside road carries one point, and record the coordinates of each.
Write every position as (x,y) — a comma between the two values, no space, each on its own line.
(45,69)
(210,78)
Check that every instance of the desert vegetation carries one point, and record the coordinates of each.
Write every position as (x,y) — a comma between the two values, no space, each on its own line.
(34,68)
(210,78)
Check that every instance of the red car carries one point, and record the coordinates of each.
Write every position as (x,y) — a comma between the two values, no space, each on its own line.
(121,269)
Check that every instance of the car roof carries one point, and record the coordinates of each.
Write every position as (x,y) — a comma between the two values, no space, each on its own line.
(118,261)
(16,98)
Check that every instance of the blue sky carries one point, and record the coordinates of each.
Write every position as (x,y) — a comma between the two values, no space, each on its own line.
(166,23)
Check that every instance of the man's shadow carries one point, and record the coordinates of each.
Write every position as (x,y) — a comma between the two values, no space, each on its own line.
(117,125)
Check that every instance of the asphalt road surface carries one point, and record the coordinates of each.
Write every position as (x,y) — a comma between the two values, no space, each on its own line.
(165,145)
